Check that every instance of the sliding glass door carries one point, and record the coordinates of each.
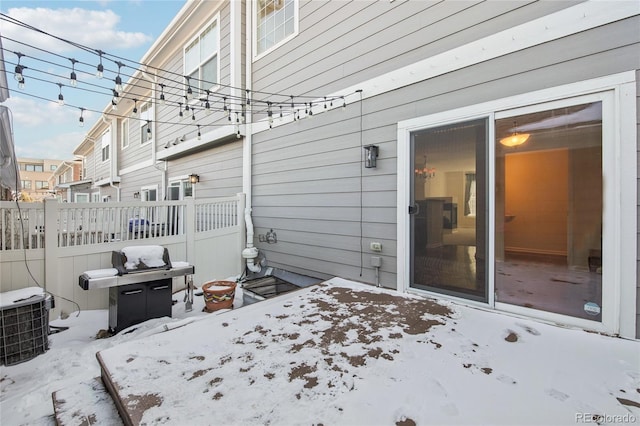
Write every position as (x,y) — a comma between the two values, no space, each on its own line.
(448,209)
(549,210)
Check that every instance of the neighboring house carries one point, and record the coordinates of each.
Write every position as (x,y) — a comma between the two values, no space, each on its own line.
(35,175)
(9,174)
(505,135)
(67,182)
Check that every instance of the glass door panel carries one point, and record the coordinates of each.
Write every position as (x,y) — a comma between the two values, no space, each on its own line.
(448,221)
(549,193)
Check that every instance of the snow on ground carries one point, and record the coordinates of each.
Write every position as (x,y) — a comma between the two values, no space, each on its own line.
(340,354)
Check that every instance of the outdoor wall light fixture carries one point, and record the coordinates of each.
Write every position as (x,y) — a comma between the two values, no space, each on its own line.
(194,178)
(370,156)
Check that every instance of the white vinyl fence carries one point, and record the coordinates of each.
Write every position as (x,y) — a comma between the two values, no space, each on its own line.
(51,244)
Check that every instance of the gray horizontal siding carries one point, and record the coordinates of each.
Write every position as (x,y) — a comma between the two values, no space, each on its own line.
(307,175)
(341,43)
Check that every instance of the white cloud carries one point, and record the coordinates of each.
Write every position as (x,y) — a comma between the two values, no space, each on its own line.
(59,146)
(46,130)
(93,28)
(28,112)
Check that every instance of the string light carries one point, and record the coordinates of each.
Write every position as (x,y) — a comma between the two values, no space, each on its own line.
(60,97)
(100,67)
(19,77)
(199,135)
(161,98)
(180,113)
(73,80)
(81,119)
(118,79)
(344,103)
(207,105)
(189,90)
(148,130)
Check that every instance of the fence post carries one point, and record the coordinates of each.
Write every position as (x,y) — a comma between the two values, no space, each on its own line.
(190,229)
(51,250)
(242,204)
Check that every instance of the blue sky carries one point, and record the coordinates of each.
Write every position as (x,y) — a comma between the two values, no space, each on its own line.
(126,28)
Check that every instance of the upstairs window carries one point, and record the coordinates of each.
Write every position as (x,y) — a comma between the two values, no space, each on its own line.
(124,133)
(201,61)
(106,142)
(34,168)
(276,22)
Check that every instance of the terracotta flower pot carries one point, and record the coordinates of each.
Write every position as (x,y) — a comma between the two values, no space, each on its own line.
(218,295)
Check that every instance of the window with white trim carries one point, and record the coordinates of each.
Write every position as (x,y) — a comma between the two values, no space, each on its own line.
(106,143)
(149,193)
(124,133)
(81,198)
(276,22)
(201,61)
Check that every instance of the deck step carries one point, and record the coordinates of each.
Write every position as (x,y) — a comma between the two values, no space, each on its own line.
(87,403)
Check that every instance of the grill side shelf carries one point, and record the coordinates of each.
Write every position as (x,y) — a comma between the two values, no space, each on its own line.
(87,283)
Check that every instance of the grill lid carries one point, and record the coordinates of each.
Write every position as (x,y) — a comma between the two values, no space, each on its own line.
(134,259)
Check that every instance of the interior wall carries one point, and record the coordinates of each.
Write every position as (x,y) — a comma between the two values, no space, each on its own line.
(536,192)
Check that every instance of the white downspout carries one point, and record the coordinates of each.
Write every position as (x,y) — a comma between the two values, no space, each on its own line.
(250,253)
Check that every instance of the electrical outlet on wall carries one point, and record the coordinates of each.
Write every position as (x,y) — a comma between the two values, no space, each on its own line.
(375,246)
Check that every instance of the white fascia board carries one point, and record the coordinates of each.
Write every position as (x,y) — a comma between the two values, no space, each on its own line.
(207,140)
(107,181)
(572,20)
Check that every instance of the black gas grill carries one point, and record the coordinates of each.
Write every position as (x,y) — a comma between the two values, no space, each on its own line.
(137,293)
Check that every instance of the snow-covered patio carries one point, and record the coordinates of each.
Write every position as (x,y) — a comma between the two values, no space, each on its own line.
(337,353)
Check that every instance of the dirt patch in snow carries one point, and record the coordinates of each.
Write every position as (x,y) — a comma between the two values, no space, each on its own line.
(138,404)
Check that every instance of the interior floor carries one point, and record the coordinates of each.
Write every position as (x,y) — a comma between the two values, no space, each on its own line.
(546,285)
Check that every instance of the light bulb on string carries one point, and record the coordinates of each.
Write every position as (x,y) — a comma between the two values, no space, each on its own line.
(199,135)
(60,97)
(100,67)
(81,119)
(118,79)
(18,75)
(135,106)
(161,98)
(73,79)
(189,90)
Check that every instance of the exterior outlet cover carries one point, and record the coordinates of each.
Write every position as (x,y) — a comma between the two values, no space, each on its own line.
(374,246)
(376,261)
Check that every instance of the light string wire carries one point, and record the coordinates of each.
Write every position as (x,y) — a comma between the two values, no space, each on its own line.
(108,56)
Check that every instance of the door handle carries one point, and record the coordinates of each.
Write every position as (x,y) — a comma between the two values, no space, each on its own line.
(160,287)
(414,209)
(127,293)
